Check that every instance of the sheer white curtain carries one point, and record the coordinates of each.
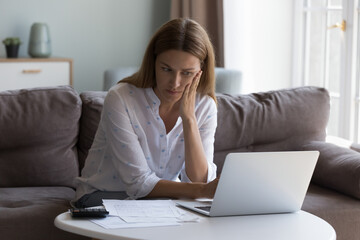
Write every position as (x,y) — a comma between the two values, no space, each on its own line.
(258,42)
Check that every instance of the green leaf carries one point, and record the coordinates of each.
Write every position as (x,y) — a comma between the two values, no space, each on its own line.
(12,41)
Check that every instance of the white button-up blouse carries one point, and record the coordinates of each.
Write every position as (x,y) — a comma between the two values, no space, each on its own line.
(131,151)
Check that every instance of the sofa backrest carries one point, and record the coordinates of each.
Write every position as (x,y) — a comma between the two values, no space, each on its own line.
(281,120)
(38,135)
(270,121)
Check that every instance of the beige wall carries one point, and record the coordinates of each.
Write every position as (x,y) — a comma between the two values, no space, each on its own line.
(97,34)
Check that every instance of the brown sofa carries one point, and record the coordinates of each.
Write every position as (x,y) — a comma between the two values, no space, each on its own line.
(45,134)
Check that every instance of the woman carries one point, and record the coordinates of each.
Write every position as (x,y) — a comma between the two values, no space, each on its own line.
(158,124)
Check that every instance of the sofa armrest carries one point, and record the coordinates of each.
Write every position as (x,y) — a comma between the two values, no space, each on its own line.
(338,168)
(342,142)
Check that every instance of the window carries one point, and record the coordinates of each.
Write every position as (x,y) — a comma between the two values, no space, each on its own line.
(325,55)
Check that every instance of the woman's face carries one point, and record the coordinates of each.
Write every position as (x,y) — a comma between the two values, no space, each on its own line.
(174,70)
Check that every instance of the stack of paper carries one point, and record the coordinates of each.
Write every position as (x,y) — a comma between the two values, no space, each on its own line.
(143,213)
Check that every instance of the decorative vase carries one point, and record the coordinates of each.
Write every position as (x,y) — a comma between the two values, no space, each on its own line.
(39,42)
(12,51)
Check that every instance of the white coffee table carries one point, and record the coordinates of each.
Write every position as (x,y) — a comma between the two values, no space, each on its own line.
(296,226)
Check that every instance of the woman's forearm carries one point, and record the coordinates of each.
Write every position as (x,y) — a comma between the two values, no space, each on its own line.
(170,189)
(165,188)
(196,166)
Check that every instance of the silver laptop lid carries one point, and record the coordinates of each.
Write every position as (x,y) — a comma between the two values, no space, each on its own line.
(263,182)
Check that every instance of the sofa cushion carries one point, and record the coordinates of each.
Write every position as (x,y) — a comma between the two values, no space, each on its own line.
(39,129)
(270,121)
(340,211)
(33,210)
(92,104)
(338,168)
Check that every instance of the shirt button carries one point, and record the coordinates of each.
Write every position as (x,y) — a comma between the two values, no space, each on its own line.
(163,150)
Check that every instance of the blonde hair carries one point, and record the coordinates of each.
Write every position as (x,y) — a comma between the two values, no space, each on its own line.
(179,34)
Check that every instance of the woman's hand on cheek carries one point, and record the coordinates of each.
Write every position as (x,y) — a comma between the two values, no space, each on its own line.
(187,107)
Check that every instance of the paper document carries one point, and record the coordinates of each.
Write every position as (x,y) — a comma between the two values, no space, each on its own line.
(143,213)
(116,222)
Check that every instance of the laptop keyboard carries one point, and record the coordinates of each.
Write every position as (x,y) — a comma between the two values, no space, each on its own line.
(204,208)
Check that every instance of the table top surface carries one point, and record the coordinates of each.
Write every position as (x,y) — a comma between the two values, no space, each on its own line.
(296,226)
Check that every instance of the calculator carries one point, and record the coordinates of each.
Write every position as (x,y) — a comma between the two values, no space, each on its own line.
(89,212)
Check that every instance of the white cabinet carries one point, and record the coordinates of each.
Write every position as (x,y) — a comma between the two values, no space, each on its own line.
(34,72)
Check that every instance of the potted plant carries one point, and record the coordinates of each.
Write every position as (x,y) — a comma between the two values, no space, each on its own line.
(12,46)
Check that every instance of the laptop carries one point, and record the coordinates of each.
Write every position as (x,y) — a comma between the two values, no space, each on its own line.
(259,183)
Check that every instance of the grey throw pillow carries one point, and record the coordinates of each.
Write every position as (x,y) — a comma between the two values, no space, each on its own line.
(338,168)
(92,104)
(38,136)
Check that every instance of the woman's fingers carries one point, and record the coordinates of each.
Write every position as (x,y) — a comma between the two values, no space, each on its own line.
(188,98)
(195,82)
(186,91)
(190,89)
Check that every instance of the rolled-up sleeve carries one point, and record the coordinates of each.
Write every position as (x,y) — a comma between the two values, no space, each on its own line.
(124,147)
